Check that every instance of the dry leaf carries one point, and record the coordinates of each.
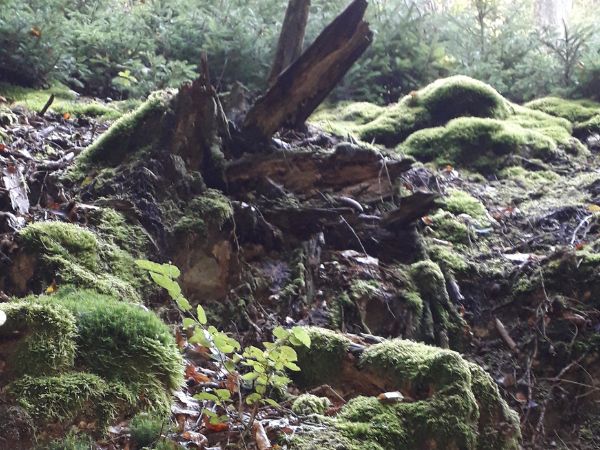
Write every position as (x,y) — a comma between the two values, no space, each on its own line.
(66,116)
(192,372)
(196,438)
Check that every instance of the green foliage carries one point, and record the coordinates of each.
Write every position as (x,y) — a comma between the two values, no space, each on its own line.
(72,441)
(264,369)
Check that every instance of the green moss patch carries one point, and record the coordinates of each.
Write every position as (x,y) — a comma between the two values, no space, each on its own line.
(79,354)
(453,404)
(133,131)
(307,404)
(209,210)
(74,255)
(481,144)
(46,344)
(64,398)
(322,361)
(572,110)
(460,202)
(65,101)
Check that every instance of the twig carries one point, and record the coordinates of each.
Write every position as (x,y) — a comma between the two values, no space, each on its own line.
(505,336)
(46,106)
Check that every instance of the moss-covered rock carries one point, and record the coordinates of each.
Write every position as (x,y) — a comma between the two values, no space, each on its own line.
(460,202)
(80,355)
(70,254)
(481,144)
(322,361)
(63,399)
(450,403)
(211,210)
(307,404)
(46,341)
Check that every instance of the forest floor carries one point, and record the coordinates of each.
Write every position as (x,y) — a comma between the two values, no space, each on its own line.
(519,247)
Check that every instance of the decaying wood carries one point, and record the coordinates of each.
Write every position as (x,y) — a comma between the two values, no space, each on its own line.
(348,171)
(46,106)
(411,208)
(305,84)
(200,128)
(291,39)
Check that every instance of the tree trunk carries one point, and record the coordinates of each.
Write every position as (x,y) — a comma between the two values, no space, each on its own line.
(307,82)
(291,39)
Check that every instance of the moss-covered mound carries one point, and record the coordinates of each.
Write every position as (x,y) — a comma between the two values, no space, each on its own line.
(434,105)
(69,254)
(482,144)
(464,122)
(80,355)
(572,110)
(449,403)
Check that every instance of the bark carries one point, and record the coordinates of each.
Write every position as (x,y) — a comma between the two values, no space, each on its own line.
(291,38)
(307,82)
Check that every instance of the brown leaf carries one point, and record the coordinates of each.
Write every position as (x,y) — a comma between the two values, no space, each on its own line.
(66,116)
(180,339)
(36,32)
(2,147)
(196,438)
(215,427)
(260,437)
(192,372)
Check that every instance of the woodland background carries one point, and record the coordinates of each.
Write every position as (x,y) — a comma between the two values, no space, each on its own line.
(128,48)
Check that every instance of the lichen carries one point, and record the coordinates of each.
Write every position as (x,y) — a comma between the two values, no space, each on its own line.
(73,255)
(307,404)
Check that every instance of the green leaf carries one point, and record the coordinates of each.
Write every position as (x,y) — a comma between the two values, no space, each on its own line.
(302,335)
(280,333)
(293,367)
(288,353)
(201,315)
(222,344)
(199,337)
(272,402)
(206,396)
(253,398)
(183,303)
(223,394)
(168,270)
(188,323)
(250,376)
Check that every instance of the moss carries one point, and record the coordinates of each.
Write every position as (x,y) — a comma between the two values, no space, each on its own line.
(460,96)
(123,342)
(47,339)
(571,110)
(321,362)
(71,441)
(445,326)
(587,127)
(307,404)
(130,133)
(146,429)
(395,125)
(481,144)
(77,256)
(453,405)
(65,101)
(211,209)
(64,398)
(342,118)
(529,178)
(448,258)
(460,202)
(112,227)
